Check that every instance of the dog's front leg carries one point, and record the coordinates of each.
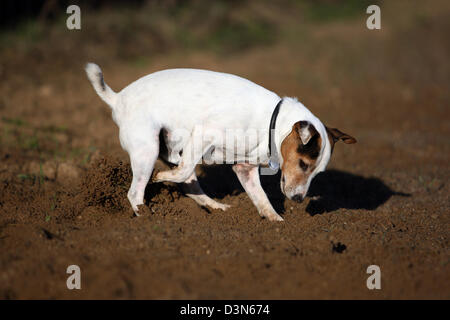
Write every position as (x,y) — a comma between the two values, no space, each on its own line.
(248,175)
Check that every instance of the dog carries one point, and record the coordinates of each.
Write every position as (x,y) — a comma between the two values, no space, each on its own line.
(180,115)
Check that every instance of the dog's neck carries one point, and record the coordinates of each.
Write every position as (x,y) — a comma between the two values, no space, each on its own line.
(292,111)
(273,158)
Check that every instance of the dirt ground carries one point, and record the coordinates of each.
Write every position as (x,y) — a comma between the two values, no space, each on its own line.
(383,201)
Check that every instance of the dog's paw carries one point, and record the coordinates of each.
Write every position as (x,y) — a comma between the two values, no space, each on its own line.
(221,206)
(276,217)
(142,210)
(213,204)
(175,175)
(272,216)
(161,176)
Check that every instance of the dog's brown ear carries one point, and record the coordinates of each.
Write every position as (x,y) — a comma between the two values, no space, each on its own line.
(336,135)
(305,130)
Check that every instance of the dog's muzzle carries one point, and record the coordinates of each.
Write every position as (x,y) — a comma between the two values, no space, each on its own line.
(298,198)
(297,194)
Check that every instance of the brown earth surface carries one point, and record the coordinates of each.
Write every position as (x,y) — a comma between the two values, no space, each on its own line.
(382,201)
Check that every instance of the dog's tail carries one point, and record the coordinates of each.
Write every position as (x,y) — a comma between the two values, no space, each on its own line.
(95,75)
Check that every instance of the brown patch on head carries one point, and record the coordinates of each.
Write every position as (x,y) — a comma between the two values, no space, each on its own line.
(335,135)
(310,150)
(299,159)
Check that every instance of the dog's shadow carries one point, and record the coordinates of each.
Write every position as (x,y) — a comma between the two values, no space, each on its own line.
(336,189)
(219,181)
(331,190)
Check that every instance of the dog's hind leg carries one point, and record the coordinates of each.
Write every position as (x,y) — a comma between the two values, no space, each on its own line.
(192,154)
(194,191)
(142,164)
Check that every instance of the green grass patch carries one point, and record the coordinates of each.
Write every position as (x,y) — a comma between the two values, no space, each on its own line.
(332,10)
(236,36)
(14,121)
(23,176)
(29,31)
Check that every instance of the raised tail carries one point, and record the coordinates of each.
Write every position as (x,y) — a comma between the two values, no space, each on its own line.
(95,75)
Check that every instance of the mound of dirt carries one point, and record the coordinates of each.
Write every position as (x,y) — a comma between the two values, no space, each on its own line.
(105,184)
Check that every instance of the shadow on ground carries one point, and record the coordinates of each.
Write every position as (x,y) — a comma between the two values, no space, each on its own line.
(342,190)
(332,190)
(219,181)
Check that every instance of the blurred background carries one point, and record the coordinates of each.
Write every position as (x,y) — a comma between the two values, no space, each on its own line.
(389,88)
(320,51)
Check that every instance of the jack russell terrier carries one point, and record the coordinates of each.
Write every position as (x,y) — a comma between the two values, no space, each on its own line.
(181,115)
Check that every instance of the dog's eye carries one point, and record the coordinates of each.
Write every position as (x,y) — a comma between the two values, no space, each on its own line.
(303,165)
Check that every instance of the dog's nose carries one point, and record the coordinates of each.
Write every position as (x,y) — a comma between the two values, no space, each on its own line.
(298,198)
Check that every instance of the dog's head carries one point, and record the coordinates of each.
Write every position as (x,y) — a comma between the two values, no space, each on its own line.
(305,153)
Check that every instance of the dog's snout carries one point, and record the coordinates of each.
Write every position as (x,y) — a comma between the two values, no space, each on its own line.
(297,198)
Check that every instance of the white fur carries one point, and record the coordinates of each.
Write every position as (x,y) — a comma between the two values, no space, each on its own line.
(189,99)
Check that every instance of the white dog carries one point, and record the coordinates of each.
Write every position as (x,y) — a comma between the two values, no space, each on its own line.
(188,112)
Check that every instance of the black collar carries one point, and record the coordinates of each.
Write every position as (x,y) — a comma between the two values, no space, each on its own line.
(273,120)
